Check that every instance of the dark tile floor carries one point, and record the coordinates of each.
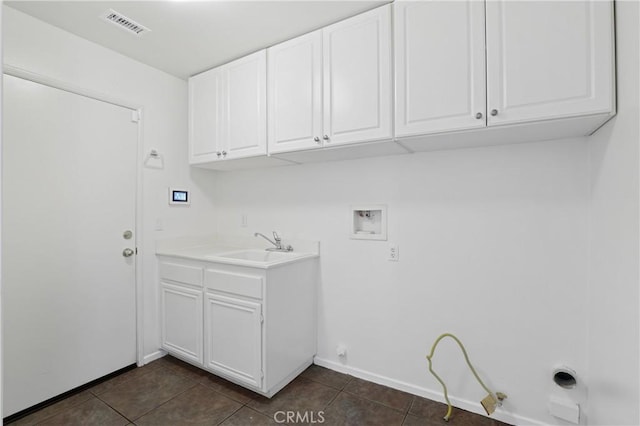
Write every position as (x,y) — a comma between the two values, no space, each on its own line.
(171,392)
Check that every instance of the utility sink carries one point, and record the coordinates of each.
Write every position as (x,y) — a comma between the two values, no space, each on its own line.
(238,254)
(254,255)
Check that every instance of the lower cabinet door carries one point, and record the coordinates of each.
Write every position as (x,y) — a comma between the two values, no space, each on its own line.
(181,321)
(233,338)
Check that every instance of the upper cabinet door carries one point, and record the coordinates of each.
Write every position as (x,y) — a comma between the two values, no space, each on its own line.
(439,66)
(205,111)
(548,59)
(246,106)
(357,78)
(294,70)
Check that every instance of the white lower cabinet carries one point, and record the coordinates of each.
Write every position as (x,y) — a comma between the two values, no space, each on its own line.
(181,325)
(233,335)
(253,326)
(233,324)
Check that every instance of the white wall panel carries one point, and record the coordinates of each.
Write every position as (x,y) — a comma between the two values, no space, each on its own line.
(614,294)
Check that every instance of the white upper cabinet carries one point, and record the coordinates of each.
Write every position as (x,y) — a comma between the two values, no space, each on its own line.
(357,78)
(205,103)
(544,70)
(228,111)
(332,86)
(246,106)
(440,66)
(295,93)
(467,73)
(548,59)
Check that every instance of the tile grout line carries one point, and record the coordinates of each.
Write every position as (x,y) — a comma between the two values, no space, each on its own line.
(333,399)
(90,390)
(401,411)
(232,414)
(404,419)
(147,412)
(97,396)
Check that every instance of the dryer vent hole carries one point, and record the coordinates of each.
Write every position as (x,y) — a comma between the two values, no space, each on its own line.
(564,379)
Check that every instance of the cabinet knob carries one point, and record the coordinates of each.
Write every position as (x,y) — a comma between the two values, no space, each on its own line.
(325,137)
(218,154)
(224,153)
(494,112)
(479,115)
(316,139)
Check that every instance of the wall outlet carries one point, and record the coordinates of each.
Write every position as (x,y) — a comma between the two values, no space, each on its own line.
(394,253)
(341,351)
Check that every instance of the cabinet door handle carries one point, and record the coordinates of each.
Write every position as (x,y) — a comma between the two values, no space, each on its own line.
(479,115)
(224,153)
(325,137)
(316,139)
(494,112)
(218,154)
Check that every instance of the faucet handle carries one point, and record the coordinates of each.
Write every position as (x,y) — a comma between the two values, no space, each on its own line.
(276,237)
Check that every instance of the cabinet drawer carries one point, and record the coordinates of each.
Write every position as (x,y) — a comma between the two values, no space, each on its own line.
(243,285)
(181,273)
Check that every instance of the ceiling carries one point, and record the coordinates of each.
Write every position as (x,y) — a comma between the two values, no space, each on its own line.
(188,37)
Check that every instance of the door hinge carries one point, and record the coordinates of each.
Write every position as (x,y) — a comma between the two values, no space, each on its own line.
(136,250)
(261,319)
(135,116)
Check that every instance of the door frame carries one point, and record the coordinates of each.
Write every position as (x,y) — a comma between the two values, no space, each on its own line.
(24,74)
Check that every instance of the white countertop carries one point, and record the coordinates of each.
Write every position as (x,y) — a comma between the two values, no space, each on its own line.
(217,248)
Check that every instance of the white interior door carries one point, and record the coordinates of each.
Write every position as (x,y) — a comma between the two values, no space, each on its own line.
(68,188)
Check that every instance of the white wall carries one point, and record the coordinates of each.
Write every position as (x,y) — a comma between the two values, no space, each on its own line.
(41,48)
(530,253)
(614,304)
(494,242)
(1,76)
(493,247)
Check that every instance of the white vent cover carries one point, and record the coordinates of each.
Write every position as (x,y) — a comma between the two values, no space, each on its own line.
(123,22)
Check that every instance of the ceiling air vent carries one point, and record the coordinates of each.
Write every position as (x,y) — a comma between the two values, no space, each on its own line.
(123,22)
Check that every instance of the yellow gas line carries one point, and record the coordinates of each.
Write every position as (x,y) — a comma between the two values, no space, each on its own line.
(489,403)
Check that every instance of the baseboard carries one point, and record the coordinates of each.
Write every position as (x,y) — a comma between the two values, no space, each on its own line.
(152,357)
(464,404)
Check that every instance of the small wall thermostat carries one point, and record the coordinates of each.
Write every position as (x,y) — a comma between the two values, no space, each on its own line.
(179,197)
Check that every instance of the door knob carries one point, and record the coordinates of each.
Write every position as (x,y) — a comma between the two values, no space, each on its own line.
(127,235)
(127,252)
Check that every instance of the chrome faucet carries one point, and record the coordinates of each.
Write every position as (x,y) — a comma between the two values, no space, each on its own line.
(277,243)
